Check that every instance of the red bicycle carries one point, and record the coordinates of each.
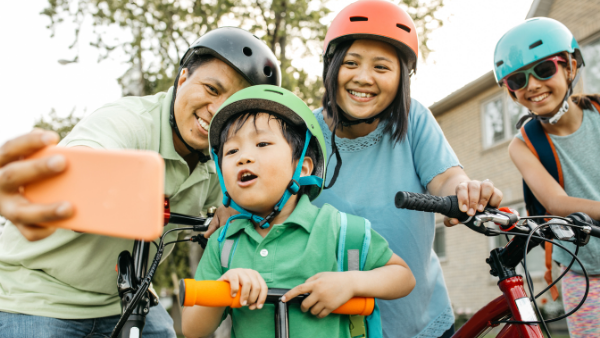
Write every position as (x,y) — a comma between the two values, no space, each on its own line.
(513,308)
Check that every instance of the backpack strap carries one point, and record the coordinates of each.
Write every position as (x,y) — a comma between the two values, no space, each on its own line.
(596,105)
(353,247)
(227,248)
(540,144)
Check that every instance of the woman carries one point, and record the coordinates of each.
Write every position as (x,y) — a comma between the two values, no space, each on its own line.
(389,142)
(538,61)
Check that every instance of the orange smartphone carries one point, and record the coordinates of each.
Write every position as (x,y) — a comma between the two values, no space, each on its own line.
(117,193)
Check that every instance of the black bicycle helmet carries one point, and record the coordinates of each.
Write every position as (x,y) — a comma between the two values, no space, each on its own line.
(241,50)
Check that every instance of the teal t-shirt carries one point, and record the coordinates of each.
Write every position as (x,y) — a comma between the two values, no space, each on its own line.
(581,176)
(304,245)
(374,169)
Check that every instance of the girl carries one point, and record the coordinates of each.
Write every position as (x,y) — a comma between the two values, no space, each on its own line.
(389,142)
(538,61)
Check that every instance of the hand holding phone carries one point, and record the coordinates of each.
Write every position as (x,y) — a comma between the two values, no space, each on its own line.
(116,193)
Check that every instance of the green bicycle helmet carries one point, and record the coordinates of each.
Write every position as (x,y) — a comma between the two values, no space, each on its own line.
(290,108)
(242,51)
(533,40)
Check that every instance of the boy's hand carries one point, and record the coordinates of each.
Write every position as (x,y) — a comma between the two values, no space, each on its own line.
(328,291)
(254,289)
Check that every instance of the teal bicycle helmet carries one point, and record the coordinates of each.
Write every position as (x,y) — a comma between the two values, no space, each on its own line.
(533,40)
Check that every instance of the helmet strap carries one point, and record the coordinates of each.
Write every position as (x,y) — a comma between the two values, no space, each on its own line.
(346,122)
(564,106)
(203,158)
(292,189)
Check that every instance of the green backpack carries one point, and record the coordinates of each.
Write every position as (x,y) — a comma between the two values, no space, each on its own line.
(353,246)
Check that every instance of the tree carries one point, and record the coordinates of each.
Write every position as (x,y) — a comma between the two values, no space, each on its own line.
(156,33)
(61,125)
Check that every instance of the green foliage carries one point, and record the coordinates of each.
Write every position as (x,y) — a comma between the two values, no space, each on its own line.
(61,125)
(154,34)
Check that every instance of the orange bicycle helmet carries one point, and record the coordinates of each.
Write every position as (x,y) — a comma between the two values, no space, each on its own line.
(378,20)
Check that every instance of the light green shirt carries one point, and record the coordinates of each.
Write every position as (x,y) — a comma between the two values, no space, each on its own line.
(304,245)
(72,275)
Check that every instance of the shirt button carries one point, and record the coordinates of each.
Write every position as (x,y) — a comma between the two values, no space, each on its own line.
(264,252)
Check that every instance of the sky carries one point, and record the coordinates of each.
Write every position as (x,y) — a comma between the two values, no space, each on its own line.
(33,82)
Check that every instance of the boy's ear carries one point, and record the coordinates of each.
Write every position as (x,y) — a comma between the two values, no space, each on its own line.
(307,166)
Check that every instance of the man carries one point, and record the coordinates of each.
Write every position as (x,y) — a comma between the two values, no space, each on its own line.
(59,283)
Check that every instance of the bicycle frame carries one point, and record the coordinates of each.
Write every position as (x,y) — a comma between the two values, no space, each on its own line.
(504,306)
(132,269)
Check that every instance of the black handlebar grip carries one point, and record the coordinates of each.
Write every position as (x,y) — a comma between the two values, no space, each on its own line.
(447,206)
(595,229)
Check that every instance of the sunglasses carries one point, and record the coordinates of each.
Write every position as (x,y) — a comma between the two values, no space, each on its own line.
(543,70)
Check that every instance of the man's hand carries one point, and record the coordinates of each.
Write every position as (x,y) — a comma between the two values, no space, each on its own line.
(221,216)
(328,291)
(16,172)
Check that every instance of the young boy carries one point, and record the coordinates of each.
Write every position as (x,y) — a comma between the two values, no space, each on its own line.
(270,157)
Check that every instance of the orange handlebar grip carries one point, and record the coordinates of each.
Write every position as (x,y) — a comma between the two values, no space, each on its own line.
(363,306)
(209,293)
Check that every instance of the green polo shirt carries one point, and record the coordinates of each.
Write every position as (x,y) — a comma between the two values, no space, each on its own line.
(304,245)
(72,275)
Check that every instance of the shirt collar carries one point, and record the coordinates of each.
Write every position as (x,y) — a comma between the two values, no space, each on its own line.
(304,215)
(167,148)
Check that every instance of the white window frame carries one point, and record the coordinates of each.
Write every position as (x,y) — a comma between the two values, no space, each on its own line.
(509,129)
(441,227)
(595,38)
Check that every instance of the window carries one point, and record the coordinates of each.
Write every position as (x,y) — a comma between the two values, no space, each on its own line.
(499,115)
(535,257)
(439,241)
(591,71)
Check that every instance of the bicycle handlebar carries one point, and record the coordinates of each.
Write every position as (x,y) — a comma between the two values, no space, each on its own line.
(218,294)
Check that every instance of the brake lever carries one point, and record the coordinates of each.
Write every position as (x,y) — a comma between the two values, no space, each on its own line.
(503,219)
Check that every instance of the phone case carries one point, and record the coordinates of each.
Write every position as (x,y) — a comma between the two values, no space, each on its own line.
(116,193)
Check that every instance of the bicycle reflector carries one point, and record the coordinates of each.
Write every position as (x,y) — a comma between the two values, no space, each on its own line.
(218,294)
(509,211)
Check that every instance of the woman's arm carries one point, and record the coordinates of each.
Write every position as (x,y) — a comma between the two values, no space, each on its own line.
(472,195)
(545,188)
(330,290)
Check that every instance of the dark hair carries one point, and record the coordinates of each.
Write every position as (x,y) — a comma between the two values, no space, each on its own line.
(294,136)
(395,116)
(584,101)
(197,61)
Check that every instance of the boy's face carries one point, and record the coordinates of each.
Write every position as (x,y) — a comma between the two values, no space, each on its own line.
(257,165)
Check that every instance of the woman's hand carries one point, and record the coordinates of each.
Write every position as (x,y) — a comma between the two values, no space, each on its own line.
(253,287)
(221,216)
(16,172)
(328,291)
(472,195)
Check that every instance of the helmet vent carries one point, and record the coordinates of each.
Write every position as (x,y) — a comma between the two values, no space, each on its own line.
(273,91)
(499,63)
(247,51)
(268,72)
(358,18)
(535,44)
(403,27)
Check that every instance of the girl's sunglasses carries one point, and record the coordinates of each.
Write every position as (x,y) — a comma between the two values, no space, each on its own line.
(542,70)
